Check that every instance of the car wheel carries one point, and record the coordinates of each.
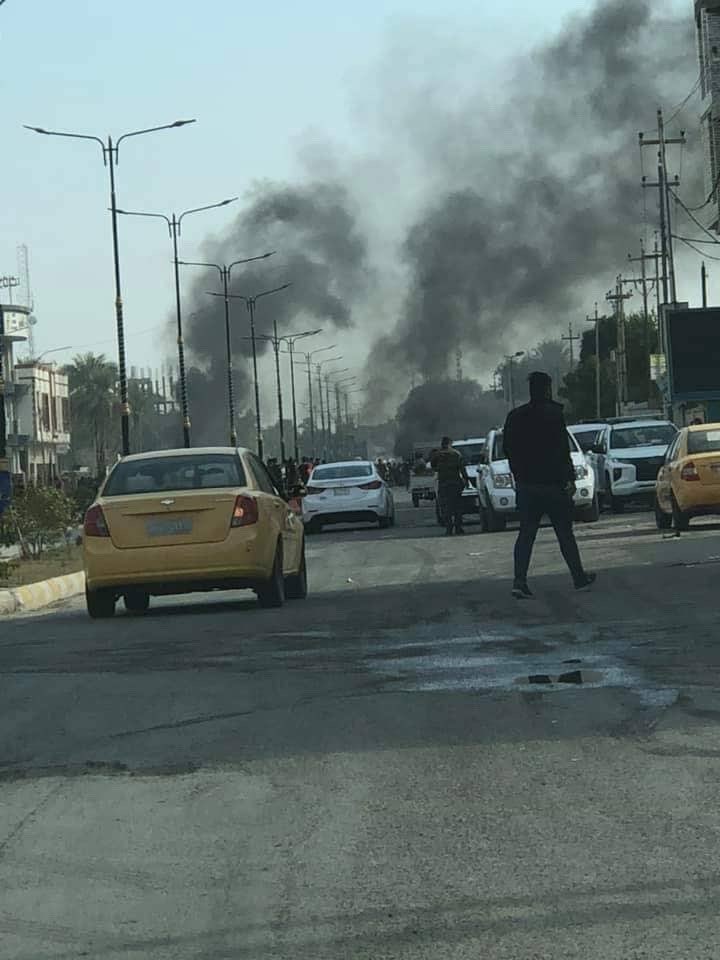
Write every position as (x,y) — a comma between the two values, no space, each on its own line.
(663,521)
(591,514)
(137,602)
(313,527)
(100,604)
(383,522)
(296,584)
(495,523)
(680,519)
(271,593)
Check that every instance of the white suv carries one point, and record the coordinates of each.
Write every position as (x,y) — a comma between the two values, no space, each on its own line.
(496,486)
(627,458)
(472,451)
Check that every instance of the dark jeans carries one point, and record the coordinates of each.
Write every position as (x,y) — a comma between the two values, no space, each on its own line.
(533,502)
(450,504)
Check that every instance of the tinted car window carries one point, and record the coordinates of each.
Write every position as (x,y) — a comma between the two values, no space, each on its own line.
(170,474)
(264,480)
(646,435)
(349,471)
(587,439)
(704,441)
(498,447)
(471,452)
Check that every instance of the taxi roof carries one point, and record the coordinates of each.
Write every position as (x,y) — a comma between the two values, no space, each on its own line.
(184,452)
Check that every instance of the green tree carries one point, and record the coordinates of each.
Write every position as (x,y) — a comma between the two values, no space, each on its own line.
(40,516)
(92,383)
(579,386)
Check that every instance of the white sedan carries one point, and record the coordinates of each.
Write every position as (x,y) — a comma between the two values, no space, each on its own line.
(349,492)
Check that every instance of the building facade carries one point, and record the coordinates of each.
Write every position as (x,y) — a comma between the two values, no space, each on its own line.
(707,19)
(41,429)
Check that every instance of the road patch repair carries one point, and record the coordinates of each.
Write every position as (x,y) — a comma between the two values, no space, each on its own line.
(35,596)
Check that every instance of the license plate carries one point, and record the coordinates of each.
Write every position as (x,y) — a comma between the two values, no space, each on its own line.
(342,491)
(168,527)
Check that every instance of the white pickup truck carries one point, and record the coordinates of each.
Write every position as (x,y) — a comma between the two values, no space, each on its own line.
(627,458)
(496,486)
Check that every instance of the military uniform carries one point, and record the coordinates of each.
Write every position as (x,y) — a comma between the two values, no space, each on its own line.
(452,480)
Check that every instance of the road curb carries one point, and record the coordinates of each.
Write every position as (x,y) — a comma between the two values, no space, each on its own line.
(35,596)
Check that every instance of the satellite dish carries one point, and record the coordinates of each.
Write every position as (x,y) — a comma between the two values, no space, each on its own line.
(32,320)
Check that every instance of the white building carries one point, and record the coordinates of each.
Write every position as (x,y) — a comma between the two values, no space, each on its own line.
(41,430)
(707,18)
(37,411)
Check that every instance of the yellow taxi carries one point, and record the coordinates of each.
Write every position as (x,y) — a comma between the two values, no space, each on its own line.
(688,484)
(178,521)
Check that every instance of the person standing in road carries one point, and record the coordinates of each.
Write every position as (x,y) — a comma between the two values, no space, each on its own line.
(536,444)
(452,479)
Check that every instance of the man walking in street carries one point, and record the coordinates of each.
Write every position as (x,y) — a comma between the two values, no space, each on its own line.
(452,479)
(538,449)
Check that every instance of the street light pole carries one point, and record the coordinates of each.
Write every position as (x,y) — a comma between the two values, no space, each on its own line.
(327,405)
(174,223)
(511,392)
(291,339)
(110,158)
(308,360)
(225,271)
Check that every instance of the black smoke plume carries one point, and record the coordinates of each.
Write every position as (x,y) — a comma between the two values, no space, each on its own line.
(320,251)
(540,198)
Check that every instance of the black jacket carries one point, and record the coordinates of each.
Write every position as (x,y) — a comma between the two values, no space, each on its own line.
(537,445)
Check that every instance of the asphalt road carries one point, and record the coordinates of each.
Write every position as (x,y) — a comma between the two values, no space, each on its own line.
(370,773)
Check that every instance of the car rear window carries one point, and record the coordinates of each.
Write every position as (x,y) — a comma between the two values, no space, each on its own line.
(170,474)
(348,471)
(704,441)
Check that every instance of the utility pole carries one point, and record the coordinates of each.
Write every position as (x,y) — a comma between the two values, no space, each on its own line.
(703,282)
(596,320)
(571,340)
(617,299)
(318,367)
(643,283)
(664,187)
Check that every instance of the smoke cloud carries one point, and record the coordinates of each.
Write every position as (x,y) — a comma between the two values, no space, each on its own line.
(536,201)
(320,251)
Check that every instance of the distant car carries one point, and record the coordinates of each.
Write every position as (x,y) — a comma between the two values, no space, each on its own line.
(472,451)
(347,492)
(178,521)
(627,459)
(496,486)
(688,484)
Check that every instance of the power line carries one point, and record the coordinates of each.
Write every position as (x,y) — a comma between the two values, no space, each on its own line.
(697,240)
(694,90)
(691,214)
(700,253)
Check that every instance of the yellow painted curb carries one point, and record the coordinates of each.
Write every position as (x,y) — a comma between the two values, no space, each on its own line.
(35,596)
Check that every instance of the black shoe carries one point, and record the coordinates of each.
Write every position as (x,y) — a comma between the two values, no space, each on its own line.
(586,580)
(521,591)
(448,532)
(459,531)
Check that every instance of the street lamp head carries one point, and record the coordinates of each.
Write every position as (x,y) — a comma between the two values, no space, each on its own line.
(36,129)
(182,123)
(226,202)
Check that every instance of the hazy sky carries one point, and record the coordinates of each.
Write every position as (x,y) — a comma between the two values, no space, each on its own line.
(268,84)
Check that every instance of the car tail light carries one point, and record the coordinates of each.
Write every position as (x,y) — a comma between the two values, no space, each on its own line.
(312,490)
(689,472)
(245,511)
(373,485)
(95,525)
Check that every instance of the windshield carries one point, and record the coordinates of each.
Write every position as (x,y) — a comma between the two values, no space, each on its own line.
(348,471)
(703,441)
(470,452)
(586,439)
(171,474)
(644,435)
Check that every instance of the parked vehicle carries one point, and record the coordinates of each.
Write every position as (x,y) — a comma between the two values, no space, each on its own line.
(496,486)
(422,476)
(179,521)
(688,484)
(347,492)
(472,451)
(627,459)
(588,435)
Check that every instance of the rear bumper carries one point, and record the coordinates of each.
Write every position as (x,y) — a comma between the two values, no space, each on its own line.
(347,516)
(243,558)
(343,507)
